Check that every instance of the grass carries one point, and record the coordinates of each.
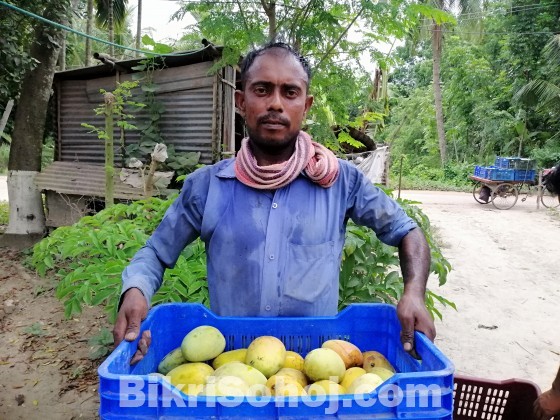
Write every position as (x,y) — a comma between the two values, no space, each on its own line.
(4,212)
(4,155)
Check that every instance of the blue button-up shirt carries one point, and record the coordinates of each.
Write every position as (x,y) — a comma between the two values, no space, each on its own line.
(269,253)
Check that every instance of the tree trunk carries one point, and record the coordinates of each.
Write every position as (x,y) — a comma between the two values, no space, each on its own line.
(436,47)
(26,205)
(89,28)
(270,10)
(111,24)
(139,27)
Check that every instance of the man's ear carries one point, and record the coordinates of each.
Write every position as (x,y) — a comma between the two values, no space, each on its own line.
(308,103)
(240,102)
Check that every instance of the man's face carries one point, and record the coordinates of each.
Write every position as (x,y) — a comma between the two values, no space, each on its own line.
(274,100)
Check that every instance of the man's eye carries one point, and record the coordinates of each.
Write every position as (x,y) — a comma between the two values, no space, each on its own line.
(292,93)
(260,90)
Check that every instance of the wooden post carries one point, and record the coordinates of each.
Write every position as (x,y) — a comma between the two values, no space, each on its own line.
(5,117)
(109,152)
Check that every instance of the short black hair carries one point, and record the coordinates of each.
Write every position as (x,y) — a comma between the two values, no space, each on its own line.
(249,59)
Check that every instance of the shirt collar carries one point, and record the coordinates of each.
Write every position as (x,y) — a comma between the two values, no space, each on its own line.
(228,170)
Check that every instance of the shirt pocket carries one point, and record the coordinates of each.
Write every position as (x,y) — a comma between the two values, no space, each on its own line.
(311,272)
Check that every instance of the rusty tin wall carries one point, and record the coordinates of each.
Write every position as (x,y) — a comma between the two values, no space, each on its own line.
(194,117)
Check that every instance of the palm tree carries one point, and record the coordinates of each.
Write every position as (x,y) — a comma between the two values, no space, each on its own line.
(545,93)
(111,13)
(139,26)
(460,6)
(89,28)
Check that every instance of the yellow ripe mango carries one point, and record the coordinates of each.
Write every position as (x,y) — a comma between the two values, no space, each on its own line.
(229,356)
(325,387)
(267,354)
(293,360)
(187,376)
(350,375)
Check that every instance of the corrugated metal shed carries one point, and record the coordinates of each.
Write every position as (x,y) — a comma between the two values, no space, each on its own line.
(199,117)
(199,108)
(81,179)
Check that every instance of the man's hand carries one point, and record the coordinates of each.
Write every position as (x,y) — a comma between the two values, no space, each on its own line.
(547,405)
(413,315)
(133,310)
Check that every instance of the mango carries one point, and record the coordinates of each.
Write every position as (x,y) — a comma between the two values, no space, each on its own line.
(382,372)
(249,374)
(229,356)
(284,386)
(348,352)
(322,364)
(225,386)
(293,360)
(190,377)
(267,354)
(375,359)
(203,343)
(298,375)
(365,384)
(350,375)
(173,359)
(325,387)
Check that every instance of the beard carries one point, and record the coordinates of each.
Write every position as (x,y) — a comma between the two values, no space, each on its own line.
(272,145)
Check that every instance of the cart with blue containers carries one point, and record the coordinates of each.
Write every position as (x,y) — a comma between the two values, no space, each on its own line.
(421,389)
(501,183)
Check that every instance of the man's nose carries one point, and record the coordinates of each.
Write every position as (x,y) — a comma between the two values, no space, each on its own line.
(275,102)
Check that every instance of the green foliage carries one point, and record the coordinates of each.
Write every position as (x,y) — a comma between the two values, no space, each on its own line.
(370,269)
(4,213)
(4,157)
(89,257)
(123,95)
(101,344)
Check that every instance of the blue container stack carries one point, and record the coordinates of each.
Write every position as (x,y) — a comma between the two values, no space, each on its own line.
(127,392)
(508,169)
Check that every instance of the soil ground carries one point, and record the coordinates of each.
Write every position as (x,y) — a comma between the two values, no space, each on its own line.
(504,283)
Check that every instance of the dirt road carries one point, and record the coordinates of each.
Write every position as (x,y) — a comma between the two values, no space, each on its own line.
(505,282)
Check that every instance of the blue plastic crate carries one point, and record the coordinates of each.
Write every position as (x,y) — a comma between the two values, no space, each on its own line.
(479,171)
(525,175)
(424,389)
(501,175)
(506,162)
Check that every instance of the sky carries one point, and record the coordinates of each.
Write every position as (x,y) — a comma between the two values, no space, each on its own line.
(155,19)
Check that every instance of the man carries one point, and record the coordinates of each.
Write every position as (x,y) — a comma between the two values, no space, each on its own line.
(273,219)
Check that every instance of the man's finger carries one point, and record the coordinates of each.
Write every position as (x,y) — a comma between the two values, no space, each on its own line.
(119,329)
(137,357)
(133,327)
(407,338)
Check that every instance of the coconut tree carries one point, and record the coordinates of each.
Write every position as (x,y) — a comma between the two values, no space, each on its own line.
(111,14)
(437,28)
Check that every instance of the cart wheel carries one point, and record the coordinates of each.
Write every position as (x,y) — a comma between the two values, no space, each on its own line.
(504,196)
(476,193)
(549,199)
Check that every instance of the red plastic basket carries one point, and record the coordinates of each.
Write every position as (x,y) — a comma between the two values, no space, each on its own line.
(476,399)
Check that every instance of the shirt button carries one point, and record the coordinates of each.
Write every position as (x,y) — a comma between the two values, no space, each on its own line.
(274,205)
(267,307)
(271,257)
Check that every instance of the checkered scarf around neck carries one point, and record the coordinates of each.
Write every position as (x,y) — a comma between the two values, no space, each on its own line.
(314,159)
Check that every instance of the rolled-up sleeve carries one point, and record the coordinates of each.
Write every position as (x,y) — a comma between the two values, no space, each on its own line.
(370,206)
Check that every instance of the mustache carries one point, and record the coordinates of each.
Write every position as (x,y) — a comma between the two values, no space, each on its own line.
(273,118)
